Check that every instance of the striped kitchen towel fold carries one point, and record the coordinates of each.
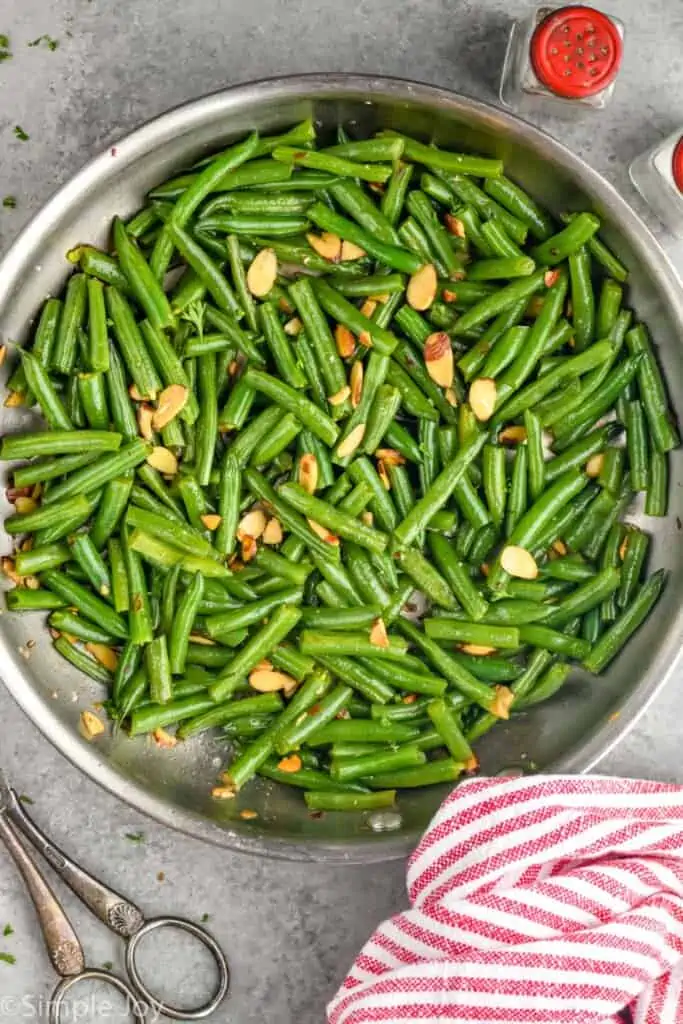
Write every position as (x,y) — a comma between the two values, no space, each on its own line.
(540,900)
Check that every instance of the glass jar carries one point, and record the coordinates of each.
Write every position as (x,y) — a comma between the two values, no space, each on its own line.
(562,56)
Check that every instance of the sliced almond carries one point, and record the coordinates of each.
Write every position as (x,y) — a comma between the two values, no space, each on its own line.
(484,567)
(262,273)
(235,563)
(454,226)
(164,460)
(171,401)
(344,340)
(323,533)
(382,297)
(248,814)
(32,583)
(10,571)
(249,549)
(91,725)
(623,548)
(451,397)
(477,649)
(145,416)
(367,517)
(204,641)
(267,680)
(502,702)
(409,698)
(290,764)
(135,394)
(365,339)
(340,396)
(211,520)
(383,475)
(349,445)
(595,464)
(273,532)
(252,524)
(25,505)
(378,634)
(14,399)
(293,326)
(438,356)
(356,381)
(551,277)
(164,739)
(327,245)
(368,308)
(449,296)
(390,457)
(422,287)
(263,664)
(284,305)
(233,368)
(308,472)
(472,763)
(482,397)
(3,353)
(351,251)
(512,435)
(227,792)
(106,656)
(559,547)
(518,562)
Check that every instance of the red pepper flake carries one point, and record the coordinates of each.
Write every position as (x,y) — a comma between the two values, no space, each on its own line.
(114,151)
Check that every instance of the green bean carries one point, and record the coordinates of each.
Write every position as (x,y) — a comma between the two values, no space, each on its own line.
(517,498)
(85,553)
(637,544)
(583,299)
(58,514)
(39,559)
(82,661)
(426,578)
(290,519)
(499,302)
(223,320)
(258,647)
(340,309)
(495,488)
(252,613)
(280,346)
(498,240)
(374,150)
(472,632)
(222,714)
(611,296)
(286,397)
(350,768)
(354,201)
(457,576)
(391,255)
(454,163)
(75,625)
(431,774)
(348,644)
(558,247)
(657,486)
(370,286)
(551,640)
(333,518)
(42,388)
(321,161)
(521,205)
(182,624)
(488,667)
(477,356)
(130,341)
(21,599)
(158,670)
(94,608)
(142,282)
(318,800)
(601,254)
(93,397)
(636,436)
(575,423)
(614,638)
(448,727)
(393,197)
(93,476)
(71,320)
(292,661)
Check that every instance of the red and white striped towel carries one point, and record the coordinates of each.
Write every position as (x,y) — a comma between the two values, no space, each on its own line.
(541,900)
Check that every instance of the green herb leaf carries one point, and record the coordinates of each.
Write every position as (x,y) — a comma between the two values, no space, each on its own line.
(5,52)
(21,134)
(9,202)
(8,930)
(107,965)
(7,958)
(136,837)
(205,918)
(51,43)
(24,799)
(194,314)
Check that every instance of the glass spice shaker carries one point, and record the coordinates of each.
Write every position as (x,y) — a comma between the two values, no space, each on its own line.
(562,56)
(658,176)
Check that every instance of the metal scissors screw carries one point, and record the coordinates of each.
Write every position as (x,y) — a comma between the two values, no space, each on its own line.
(120,916)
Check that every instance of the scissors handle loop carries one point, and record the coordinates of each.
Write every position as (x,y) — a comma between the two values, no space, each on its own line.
(136,1009)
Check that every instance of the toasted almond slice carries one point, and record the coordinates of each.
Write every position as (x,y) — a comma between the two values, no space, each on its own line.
(478,649)
(356,381)
(390,457)
(164,460)
(550,277)
(383,475)
(233,368)
(262,273)
(290,764)
(106,656)
(25,505)
(171,401)
(454,226)
(91,725)
(235,563)
(273,532)
(249,549)
(512,435)
(351,251)
(248,814)
(365,339)
(484,567)
(308,472)
(293,326)
(449,296)
(438,356)
(199,638)
(595,464)
(145,417)
(368,308)
(14,399)
(3,353)
(323,533)
(422,286)
(500,706)
(267,680)
(10,571)
(518,562)
(451,397)
(409,698)
(367,517)
(211,520)
(623,547)
(227,792)
(341,396)
(327,245)
(378,634)
(32,582)
(483,394)
(344,340)
(284,306)
(559,547)
(351,443)
(382,297)
(263,664)
(164,739)
(252,524)
(472,763)
(135,394)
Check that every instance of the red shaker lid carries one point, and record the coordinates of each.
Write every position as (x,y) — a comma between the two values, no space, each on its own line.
(576,51)
(677,165)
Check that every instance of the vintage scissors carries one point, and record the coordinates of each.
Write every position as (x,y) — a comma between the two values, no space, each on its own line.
(121,916)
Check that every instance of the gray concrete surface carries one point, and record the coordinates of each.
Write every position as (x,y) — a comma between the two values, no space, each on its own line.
(290,931)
